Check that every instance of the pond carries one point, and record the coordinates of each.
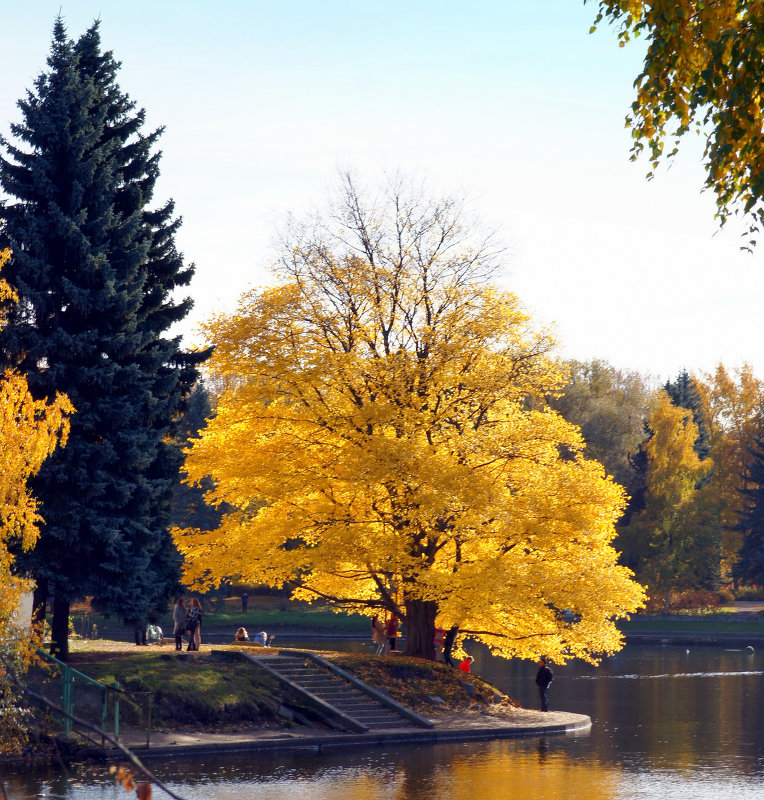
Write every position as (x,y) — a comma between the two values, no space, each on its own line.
(668,722)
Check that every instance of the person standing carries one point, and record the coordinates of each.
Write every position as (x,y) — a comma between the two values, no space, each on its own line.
(194,625)
(448,644)
(244,601)
(391,631)
(378,635)
(544,678)
(139,631)
(437,642)
(195,604)
(179,622)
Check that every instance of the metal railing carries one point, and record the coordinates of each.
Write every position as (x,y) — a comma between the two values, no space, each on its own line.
(94,702)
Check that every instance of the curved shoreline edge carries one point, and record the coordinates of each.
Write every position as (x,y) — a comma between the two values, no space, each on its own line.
(176,744)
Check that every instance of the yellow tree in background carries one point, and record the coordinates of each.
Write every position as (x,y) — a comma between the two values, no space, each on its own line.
(29,431)
(734,407)
(678,539)
(384,441)
(703,69)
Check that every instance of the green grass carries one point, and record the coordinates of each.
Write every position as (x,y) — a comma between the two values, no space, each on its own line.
(186,690)
(721,623)
(213,691)
(228,619)
(319,620)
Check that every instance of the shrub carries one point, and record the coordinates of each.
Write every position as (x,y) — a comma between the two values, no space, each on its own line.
(689,599)
(750,593)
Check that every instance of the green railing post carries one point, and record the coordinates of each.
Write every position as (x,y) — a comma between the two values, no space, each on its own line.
(66,698)
(68,675)
(116,710)
(104,712)
(148,727)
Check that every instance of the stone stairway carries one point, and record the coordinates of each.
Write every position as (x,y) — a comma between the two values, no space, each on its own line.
(347,695)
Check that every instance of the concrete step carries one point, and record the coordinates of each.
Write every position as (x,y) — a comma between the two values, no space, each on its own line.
(338,692)
(371,713)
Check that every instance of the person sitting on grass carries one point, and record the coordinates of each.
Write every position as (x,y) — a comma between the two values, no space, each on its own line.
(241,635)
(466,665)
(263,639)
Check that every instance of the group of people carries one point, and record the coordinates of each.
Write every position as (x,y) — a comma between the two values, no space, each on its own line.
(262,638)
(384,634)
(187,622)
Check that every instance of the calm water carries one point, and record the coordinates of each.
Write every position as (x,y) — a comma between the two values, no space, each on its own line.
(667,723)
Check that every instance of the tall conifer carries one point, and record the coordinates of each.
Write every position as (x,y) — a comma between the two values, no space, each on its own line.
(749,567)
(683,392)
(95,267)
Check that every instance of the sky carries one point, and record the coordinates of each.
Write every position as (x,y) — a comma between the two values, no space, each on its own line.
(510,103)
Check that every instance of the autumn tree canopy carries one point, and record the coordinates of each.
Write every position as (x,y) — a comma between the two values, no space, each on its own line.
(679,540)
(385,443)
(610,406)
(703,71)
(735,399)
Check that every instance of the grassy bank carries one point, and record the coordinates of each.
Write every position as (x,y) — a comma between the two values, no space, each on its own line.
(186,691)
(411,681)
(214,691)
(721,624)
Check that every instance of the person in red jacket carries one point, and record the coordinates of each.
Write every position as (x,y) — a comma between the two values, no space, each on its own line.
(465,665)
(391,631)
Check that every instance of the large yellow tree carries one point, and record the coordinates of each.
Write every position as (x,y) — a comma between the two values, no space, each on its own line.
(703,70)
(29,431)
(384,441)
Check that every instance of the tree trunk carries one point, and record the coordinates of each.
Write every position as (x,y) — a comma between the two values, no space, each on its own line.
(420,628)
(59,629)
(448,644)
(39,606)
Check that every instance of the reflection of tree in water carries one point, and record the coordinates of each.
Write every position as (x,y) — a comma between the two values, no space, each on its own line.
(530,768)
(658,713)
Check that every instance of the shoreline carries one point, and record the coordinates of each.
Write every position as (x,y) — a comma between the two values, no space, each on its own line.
(466,726)
(462,727)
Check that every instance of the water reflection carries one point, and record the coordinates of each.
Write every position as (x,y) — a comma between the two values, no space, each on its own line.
(669,722)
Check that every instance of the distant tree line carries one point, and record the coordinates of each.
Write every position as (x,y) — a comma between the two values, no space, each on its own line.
(690,454)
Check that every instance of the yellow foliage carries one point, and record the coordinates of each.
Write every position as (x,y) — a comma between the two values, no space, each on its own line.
(733,406)
(676,526)
(29,432)
(704,65)
(384,438)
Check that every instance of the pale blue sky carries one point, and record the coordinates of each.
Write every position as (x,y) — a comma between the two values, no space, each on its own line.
(511,102)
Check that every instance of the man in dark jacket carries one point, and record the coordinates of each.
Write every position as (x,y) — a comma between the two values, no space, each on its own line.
(544,678)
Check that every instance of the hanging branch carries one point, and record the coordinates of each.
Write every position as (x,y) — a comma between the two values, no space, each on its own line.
(129,755)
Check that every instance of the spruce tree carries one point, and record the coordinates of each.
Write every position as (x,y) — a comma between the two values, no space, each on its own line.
(749,567)
(683,392)
(190,509)
(94,267)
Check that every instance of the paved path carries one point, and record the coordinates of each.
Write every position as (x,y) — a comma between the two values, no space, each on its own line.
(452,727)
